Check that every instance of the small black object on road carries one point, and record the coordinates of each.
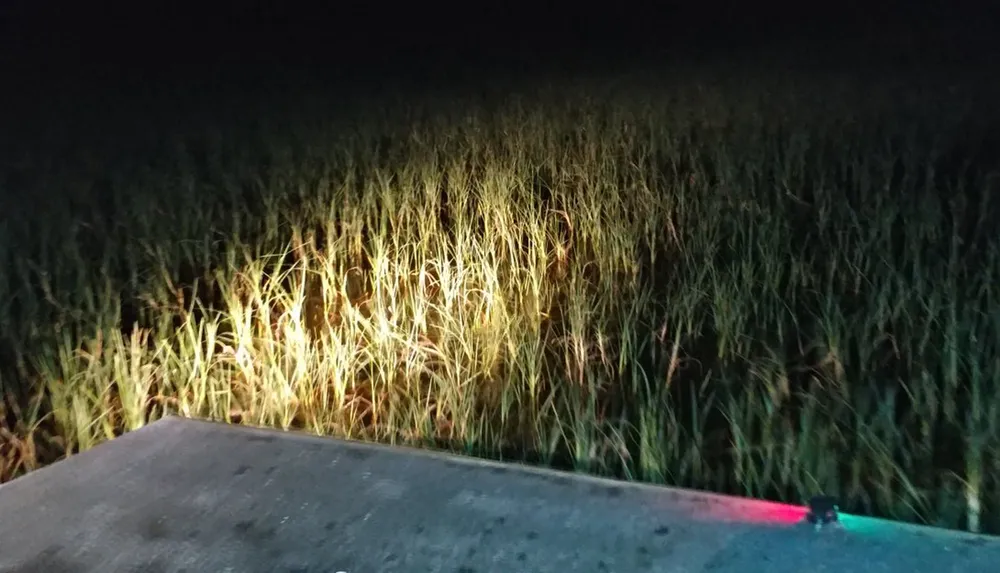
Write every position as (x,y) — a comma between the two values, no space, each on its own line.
(822,510)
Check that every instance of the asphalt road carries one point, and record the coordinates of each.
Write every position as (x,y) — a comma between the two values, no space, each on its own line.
(190,496)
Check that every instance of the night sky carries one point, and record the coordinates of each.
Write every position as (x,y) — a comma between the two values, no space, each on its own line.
(143,43)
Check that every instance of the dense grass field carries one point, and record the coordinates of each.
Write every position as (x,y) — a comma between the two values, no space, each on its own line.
(768,286)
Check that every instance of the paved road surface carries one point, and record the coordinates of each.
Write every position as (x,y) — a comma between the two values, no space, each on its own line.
(197,497)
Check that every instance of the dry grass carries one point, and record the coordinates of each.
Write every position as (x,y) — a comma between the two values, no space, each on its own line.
(768,290)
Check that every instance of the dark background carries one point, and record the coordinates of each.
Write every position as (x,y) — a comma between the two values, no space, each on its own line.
(145,43)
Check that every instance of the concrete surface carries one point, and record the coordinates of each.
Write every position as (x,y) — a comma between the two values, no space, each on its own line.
(182,495)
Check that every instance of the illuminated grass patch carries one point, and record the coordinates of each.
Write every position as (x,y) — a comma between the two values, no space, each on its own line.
(770,295)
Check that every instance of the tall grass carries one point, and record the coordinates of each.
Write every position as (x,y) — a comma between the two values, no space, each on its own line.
(772,290)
